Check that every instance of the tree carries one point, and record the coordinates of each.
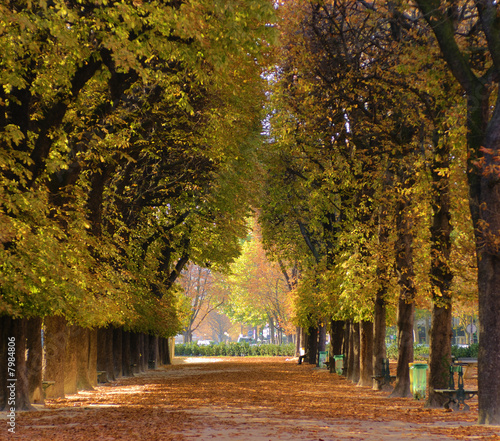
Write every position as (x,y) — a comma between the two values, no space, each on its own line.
(477,75)
(125,130)
(201,290)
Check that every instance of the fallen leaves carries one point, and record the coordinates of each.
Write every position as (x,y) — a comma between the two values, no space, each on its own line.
(237,397)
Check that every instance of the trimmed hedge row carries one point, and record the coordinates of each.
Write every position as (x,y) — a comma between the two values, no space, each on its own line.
(235,349)
(421,352)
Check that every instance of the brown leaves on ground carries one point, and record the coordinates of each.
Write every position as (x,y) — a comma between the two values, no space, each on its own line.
(242,399)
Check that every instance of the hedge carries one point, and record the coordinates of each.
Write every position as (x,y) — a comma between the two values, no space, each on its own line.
(421,352)
(235,349)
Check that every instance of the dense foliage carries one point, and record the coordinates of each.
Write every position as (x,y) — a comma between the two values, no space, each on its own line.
(128,134)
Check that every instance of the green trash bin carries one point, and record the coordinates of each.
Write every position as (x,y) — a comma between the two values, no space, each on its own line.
(418,380)
(339,364)
(322,359)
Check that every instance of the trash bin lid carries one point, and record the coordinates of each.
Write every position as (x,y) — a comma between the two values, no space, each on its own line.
(419,366)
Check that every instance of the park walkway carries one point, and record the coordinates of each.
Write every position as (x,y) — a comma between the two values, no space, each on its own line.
(242,399)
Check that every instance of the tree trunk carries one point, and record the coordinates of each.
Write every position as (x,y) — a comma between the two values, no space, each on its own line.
(126,355)
(313,345)
(406,312)
(83,359)
(322,337)
(153,351)
(350,350)
(336,341)
(14,382)
(70,361)
(135,352)
(93,357)
(34,360)
(271,328)
(379,348)
(366,354)
(145,352)
(441,275)
(55,354)
(440,353)
(117,352)
(298,342)
(105,352)
(404,268)
(355,331)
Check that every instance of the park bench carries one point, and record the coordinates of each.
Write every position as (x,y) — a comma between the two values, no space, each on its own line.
(385,377)
(456,397)
(46,384)
(102,377)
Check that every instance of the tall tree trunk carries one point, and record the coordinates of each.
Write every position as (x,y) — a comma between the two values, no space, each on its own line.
(337,337)
(93,357)
(406,276)
(55,354)
(117,352)
(355,331)
(34,360)
(313,345)
(366,354)
(441,275)
(105,352)
(70,360)
(14,382)
(406,313)
(83,360)
(144,351)
(322,337)
(153,351)
(379,348)
(135,352)
(350,351)
(298,341)
(126,355)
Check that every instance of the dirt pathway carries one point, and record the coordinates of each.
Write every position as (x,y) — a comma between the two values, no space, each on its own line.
(242,399)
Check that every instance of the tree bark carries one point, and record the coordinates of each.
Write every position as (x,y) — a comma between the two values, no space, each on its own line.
(379,348)
(117,352)
(337,337)
(322,337)
(366,354)
(126,355)
(14,382)
(441,275)
(105,352)
(55,353)
(145,352)
(350,351)
(355,331)
(406,312)
(135,352)
(93,357)
(406,276)
(34,360)
(83,359)
(153,351)
(70,361)
(313,345)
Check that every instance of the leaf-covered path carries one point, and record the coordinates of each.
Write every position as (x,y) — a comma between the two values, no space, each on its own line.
(242,399)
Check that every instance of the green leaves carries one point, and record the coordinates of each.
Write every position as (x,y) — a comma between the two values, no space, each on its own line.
(128,135)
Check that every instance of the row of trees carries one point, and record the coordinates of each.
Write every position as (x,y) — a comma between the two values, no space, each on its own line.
(376,136)
(128,135)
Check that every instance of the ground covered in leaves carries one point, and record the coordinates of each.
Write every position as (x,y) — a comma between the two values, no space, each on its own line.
(242,399)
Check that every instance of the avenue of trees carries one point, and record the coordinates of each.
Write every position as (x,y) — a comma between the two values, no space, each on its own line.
(128,136)
(137,138)
(382,124)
